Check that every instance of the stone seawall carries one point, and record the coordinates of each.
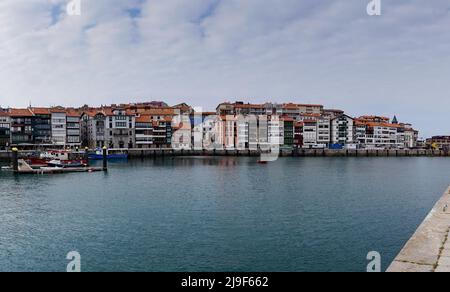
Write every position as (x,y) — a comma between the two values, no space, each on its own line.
(4,155)
(428,250)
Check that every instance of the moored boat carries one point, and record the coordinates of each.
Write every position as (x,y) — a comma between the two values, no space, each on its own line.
(111,155)
(57,158)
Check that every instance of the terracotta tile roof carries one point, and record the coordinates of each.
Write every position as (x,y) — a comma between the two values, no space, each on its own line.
(249,106)
(73,113)
(387,125)
(58,110)
(40,110)
(143,119)
(15,112)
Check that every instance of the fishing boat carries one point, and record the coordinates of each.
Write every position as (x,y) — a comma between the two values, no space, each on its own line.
(111,155)
(65,163)
(57,158)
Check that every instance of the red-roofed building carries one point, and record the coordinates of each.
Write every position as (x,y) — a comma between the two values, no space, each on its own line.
(5,129)
(21,127)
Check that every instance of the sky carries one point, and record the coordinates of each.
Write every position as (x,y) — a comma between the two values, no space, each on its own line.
(204,52)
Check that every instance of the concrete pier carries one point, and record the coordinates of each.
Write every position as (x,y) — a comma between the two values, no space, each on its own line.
(429,248)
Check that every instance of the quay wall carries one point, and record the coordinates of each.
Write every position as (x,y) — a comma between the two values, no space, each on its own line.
(142,153)
(428,250)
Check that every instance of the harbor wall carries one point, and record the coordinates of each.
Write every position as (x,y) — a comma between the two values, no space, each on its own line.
(142,153)
(428,250)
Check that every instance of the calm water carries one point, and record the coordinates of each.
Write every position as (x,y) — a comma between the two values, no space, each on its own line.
(219,214)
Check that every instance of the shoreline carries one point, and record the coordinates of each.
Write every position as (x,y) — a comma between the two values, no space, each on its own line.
(428,250)
(149,153)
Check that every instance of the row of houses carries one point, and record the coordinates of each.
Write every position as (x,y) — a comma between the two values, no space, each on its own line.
(313,126)
(40,126)
(236,125)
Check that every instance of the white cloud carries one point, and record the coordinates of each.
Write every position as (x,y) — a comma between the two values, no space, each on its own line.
(208,51)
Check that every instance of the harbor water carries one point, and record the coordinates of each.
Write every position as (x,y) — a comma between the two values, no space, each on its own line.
(218,214)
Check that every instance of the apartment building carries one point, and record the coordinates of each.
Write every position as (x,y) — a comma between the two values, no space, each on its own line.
(288,127)
(119,128)
(380,135)
(323,132)
(41,125)
(309,133)
(182,132)
(5,129)
(298,134)
(59,126)
(439,142)
(144,131)
(275,131)
(73,126)
(342,130)
(21,127)
(93,128)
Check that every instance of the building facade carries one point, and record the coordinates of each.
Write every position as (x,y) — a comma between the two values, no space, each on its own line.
(342,130)
(5,130)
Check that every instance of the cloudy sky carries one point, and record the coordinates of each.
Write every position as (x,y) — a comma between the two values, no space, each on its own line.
(208,51)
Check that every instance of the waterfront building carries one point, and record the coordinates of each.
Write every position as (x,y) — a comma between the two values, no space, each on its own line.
(288,127)
(323,131)
(309,133)
(381,136)
(5,129)
(182,132)
(298,134)
(406,136)
(162,133)
(360,129)
(73,126)
(21,127)
(439,142)
(120,128)
(41,124)
(144,131)
(275,131)
(93,128)
(291,110)
(342,130)
(59,126)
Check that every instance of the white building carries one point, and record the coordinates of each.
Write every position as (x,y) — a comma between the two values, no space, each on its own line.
(323,131)
(381,136)
(120,128)
(342,130)
(275,131)
(309,133)
(59,126)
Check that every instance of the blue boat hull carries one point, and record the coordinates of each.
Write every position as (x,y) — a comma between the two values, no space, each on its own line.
(110,156)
